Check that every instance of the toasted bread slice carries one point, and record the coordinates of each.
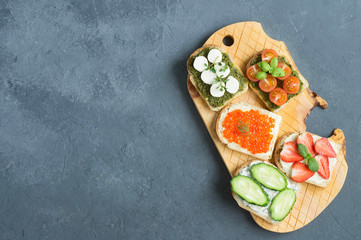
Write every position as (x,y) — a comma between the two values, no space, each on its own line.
(246,107)
(286,167)
(265,96)
(262,212)
(197,82)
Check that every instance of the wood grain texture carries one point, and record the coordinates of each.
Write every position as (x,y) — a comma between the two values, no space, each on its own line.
(249,38)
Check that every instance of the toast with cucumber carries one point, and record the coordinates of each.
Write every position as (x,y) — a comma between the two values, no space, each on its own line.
(274,79)
(260,188)
(215,76)
(306,157)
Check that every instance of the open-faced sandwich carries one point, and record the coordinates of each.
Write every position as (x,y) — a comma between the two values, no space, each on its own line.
(274,79)
(262,189)
(306,157)
(248,129)
(215,76)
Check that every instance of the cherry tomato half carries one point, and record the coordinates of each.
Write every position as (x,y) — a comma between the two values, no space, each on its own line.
(268,54)
(278,96)
(285,68)
(291,85)
(252,72)
(268,84)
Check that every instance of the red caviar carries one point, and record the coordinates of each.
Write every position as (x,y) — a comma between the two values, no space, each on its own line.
(258,137)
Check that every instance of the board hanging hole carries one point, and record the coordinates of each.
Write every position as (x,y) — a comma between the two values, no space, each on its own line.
(228,40)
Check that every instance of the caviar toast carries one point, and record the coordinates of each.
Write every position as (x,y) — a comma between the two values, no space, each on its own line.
(248,129)
(215,76)
(306,157)
(260,188)
(274,79)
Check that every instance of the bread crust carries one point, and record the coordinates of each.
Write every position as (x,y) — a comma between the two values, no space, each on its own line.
(192,80)
(241,202)
(277,159)
(236,147)
(259,92)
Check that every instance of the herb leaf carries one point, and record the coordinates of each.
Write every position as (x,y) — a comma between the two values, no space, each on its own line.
(274,63)
(244,128)
(261,75)
(278,72)
(264,66)
(313,164)
(302,149)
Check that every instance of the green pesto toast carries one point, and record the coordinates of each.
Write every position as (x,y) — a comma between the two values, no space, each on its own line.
(215,76)
(276,89)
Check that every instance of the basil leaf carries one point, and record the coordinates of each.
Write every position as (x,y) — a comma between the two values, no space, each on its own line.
(278,72)
(313,164)
(264,66)
(274,63)
(261,75)
(302,149)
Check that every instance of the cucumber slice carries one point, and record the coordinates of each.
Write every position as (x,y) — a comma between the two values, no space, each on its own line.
(268,176)
(249,190)
(282,204)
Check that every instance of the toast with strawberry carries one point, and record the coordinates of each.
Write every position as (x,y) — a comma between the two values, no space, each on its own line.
(306,157)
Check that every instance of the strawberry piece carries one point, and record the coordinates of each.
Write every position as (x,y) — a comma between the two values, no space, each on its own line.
(324,164)
(307,139)
(324,147)
(301,172)
(290,153)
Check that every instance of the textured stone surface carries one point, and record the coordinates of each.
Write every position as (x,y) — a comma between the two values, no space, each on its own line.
(100,140)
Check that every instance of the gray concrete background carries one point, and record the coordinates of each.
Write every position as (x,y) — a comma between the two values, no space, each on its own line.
(100,139)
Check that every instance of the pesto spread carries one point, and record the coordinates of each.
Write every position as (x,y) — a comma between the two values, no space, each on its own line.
(265,95)
(204,88)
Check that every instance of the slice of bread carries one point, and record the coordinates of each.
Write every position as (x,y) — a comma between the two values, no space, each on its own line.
(286,167)
(265,98)
(243,83)
(246,107)
(262,212)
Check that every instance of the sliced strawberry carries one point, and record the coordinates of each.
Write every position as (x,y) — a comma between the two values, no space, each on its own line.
(324,169)
(324,147)
(307,139)
(301,172)
(290,153)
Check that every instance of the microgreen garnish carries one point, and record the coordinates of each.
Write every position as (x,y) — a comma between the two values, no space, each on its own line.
(211,67)
(270,68)
(310,161)
(222,87)
(244,128)
(224,68)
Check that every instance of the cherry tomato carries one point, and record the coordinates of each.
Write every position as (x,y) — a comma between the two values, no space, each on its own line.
(291,85)
(285,68)
(268,84)
(278,96)
(252,72)
(268,54)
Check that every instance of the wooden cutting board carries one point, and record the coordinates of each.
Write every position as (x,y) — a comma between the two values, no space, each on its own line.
(248,39)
